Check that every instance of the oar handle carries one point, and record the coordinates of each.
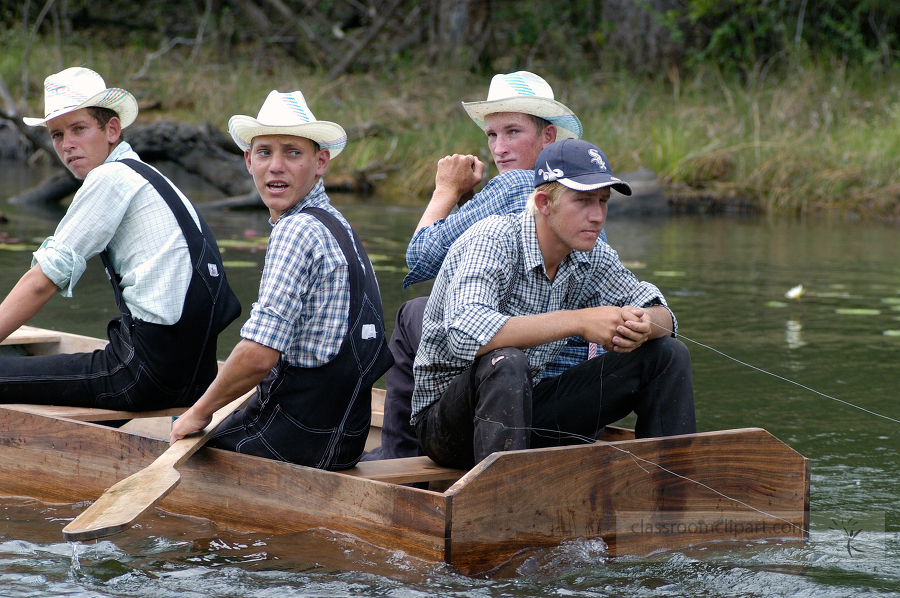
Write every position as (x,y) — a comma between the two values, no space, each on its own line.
(181,449)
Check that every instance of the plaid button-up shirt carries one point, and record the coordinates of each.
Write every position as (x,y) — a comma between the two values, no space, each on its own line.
(495,271)
(304,292)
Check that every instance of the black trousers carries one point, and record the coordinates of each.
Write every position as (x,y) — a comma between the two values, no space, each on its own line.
(492,406)
(128,374)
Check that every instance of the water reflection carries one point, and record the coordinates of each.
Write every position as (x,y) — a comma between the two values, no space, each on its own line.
(792,334)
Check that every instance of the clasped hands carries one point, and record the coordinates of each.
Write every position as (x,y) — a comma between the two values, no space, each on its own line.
(618,329)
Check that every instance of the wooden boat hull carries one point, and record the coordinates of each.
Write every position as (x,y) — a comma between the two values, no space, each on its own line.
(637,495)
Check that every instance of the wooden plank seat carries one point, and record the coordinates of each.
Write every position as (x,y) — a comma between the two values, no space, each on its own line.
(27,335)
(91,414)
(407,470)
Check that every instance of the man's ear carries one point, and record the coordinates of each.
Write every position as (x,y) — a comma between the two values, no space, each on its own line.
(542,202)
(548,135)
(322,159)
(113,130)
(247,160)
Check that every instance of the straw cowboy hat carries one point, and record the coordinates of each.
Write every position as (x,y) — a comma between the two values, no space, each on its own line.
(78,87)
(529,94)
(287,114)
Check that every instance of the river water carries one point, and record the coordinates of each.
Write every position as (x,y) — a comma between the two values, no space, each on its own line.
(820,373)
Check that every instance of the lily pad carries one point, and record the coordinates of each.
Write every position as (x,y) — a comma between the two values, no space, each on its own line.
(776,304)
(13,247)
(848,311)
(891,300)
(239,264)
(634,265)
(892,332)
(668,273)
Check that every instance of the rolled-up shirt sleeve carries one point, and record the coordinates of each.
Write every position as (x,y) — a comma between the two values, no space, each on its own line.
(506,193)
(60,263)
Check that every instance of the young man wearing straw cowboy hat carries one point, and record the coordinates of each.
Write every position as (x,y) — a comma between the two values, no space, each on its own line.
(159,254)
(314,343)
(520,117)
(510,292)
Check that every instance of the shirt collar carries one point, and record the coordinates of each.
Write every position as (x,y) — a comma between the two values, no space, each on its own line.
(119,152)
(530,247)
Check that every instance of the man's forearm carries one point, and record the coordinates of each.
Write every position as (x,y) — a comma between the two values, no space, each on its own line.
(26,299)
(524,332)
(604,325)
(247,366)
(440,206)
(661,319)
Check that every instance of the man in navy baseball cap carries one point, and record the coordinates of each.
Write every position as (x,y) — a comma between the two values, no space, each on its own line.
(510,292)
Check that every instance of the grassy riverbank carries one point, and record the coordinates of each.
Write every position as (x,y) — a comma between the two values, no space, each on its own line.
(820,139)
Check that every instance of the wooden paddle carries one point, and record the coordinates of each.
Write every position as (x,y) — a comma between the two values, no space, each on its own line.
(121,505)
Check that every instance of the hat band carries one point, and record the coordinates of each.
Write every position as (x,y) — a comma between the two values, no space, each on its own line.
(338,143)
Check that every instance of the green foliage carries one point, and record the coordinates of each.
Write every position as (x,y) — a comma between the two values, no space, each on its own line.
(742,35)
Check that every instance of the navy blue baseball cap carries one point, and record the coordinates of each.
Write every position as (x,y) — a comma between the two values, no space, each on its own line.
(578,165)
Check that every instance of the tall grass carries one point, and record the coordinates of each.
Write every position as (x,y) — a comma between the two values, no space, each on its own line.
(816,139)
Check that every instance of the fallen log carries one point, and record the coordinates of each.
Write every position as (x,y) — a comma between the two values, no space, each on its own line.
(60,185)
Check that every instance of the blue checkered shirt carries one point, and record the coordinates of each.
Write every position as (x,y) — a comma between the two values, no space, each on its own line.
(495,271)
(304,292)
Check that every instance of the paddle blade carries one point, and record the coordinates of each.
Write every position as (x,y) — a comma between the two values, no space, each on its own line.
(122,504)
(127,500)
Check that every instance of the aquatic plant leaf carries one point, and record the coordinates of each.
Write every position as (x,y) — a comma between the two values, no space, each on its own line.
(848,311)
(239,264)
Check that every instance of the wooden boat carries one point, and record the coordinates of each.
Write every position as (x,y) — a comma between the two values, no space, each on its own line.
(639,496)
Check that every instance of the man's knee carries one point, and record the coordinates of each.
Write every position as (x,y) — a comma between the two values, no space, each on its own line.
(508,363)
(671,350)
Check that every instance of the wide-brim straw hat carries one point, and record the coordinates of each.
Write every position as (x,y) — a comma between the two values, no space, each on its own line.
(79,87)
(287,114)
(529,94)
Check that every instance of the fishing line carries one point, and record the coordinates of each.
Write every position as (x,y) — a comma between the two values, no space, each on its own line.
(638,460)
(758,369)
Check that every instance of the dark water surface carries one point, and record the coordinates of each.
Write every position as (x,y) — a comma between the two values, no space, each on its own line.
(752,348)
